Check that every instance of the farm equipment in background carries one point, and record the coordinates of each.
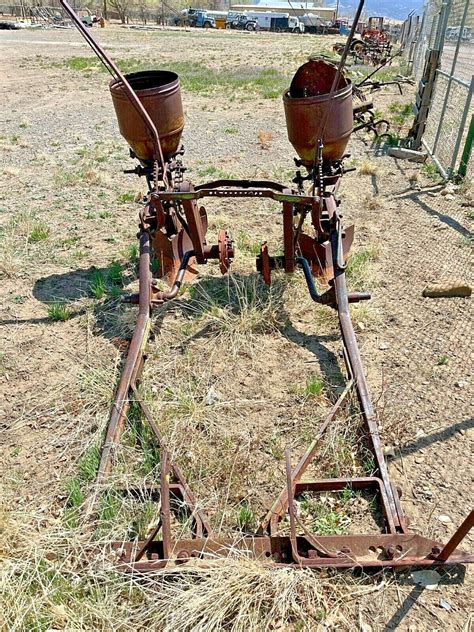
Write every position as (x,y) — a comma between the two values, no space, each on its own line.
(364,118)
(173,231)
(373,46)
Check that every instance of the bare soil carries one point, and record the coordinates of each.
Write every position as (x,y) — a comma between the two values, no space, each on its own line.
(62,161)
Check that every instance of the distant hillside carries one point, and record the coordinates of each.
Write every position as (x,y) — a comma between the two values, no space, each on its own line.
(388,8)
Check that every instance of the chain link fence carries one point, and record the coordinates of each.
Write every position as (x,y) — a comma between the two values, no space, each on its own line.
(446,27)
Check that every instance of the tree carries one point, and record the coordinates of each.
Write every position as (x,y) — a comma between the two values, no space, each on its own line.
(122,7)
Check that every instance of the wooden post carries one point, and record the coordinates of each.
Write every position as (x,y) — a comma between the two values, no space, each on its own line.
(424,97)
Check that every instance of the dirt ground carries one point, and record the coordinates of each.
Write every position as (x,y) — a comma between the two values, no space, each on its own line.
(236,382)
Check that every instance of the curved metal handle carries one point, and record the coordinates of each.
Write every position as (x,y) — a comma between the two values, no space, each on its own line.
(129,91)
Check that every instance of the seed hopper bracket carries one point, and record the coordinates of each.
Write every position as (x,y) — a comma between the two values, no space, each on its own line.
(173,229)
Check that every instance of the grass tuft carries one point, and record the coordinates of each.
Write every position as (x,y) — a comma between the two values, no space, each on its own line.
(368,168)
(359,266)
(59,312)
(38,232)
(238,306)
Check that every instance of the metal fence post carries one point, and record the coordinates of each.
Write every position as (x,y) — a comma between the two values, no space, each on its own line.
(462,124)
(466,152)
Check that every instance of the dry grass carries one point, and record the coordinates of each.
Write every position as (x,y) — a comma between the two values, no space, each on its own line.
(265,139)
(238,306)
(368,168)
(60,579)
(373,202)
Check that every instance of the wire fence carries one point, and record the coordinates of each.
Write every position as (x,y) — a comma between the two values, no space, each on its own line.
(447,28)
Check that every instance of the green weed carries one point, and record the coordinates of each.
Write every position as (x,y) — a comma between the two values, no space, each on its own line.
(59,312)
(245,517)
(97,285)
(358,265)
(325,517)
(314,386)
(39,232)
(128,196)
(442,360)
(109,506)
(89,464)
(430,170)
(131,253)
(401,112)
(106,282)
(245,244)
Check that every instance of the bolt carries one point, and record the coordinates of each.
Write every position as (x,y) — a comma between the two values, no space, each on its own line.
(390,551)
(436,550)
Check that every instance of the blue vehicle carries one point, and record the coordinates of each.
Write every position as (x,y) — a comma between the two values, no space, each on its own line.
(197,18)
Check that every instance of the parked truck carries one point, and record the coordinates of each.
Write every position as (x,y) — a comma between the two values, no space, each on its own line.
(196,18)
(314,24)
(277,22)
(241,22)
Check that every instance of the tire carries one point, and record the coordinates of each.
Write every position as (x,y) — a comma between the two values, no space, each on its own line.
(250,27)
(207,25)
(355,43)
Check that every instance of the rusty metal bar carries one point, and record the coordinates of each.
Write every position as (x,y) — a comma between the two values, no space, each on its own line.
(457,538)
(148,541)
(357,370)
(280,505)
(134,357)
(238,188)
(165,512)
(291,507)
(203,524)
(288,237)
(394,550)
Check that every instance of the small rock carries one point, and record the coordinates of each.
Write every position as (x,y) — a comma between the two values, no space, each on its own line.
(449,190)
(445,604)
(449,196)
(460,384)
(389,451)
(383,346)
(428,579)
(419,459)
(211,397)
(447,290)
(361,326)
(444,519)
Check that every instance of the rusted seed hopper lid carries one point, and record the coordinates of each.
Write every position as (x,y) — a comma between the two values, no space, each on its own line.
(314,78)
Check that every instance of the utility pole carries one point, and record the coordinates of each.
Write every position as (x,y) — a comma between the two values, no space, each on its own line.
(104,10)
